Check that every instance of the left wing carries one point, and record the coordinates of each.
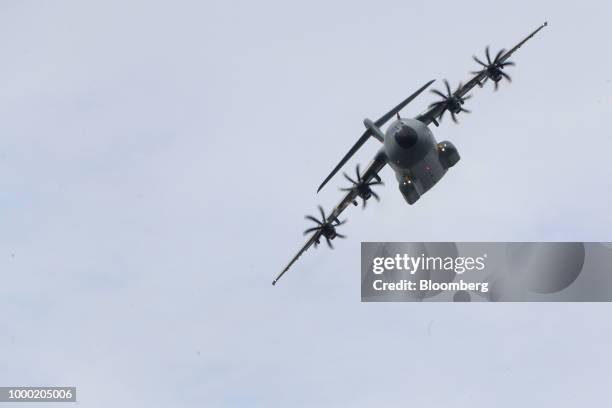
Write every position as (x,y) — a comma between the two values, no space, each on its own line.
(307,245)
(371,172)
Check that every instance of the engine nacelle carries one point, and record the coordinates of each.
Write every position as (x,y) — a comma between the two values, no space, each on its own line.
(448,154)
(494,73)
(454,104)
(329,231)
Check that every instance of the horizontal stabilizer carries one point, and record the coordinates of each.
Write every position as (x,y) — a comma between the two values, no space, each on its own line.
(380,122)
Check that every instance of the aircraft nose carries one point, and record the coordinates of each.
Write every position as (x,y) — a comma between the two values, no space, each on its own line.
(406,137)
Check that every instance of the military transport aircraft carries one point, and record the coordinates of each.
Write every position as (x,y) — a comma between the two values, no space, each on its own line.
(409,147)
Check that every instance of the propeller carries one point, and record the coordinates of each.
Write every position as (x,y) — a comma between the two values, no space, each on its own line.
(451,102)
(362,188)
(493,69)
(327,228)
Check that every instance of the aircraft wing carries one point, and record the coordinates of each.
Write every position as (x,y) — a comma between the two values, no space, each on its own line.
(432,114)
(371,172)
(509,53)
(314,238)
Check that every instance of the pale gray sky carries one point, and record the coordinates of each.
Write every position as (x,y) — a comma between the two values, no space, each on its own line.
(158,159)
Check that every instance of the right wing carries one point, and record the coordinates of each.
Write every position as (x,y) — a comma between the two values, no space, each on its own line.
(519,45)
(434,112)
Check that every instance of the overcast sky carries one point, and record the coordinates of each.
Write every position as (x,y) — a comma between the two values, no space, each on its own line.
(157,159)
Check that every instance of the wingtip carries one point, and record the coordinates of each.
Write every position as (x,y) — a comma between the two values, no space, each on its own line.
(326,180)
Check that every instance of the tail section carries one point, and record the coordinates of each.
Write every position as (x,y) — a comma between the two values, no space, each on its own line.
(373,129)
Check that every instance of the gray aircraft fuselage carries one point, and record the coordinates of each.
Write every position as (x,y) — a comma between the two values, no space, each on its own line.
(408,146)
(415,156)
